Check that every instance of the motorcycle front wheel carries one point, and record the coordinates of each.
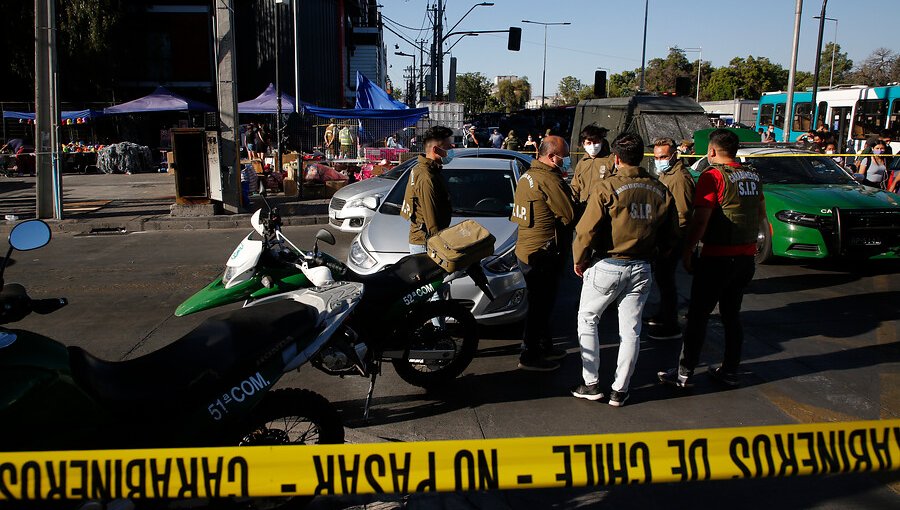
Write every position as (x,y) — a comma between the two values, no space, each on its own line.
(442,340)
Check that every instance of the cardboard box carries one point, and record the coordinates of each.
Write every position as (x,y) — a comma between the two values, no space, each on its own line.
(332,187)
(291,156)
(290,188)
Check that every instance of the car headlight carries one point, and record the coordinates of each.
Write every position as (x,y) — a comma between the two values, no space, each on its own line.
(359,256)
(504,263)
(802,219)
(359,202)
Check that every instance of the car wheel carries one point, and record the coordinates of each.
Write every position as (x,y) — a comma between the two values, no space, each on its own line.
(764,253)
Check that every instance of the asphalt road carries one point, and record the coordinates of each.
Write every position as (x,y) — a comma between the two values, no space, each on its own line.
(821,345)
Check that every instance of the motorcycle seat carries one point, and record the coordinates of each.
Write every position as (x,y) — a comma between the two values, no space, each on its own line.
(199,367)
(398,279)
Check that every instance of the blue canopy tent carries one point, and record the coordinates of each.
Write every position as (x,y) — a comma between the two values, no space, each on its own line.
(379,115)
(267,102)
(160,100)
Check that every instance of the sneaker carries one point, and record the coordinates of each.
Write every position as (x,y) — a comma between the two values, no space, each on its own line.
(727,378)
(588,391)
(663,332)
(674,378)
(617,398)
(553,353)
(537,364)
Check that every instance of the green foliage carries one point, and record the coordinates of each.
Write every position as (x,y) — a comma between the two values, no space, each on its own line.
(804,80)
(660,73)
(474,91)
(842,65)
(586,92)
(569,89)
(721,84)
(623,84)
(513,95)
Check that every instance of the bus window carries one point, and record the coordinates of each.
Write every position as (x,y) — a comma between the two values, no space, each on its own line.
(821,119)
(765,114)
(779,116)
(802,117)
(894,120)
(871,115)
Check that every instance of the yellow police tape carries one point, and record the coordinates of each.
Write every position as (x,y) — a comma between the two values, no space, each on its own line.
(534,462)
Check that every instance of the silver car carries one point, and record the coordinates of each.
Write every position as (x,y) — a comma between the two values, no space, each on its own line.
(346,211)
(481,189)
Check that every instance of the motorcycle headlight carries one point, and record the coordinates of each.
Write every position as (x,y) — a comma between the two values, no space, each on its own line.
(232,278)
(359,256)
(504,263)
(802,219)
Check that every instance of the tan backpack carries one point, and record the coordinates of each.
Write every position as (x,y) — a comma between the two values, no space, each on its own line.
(458,247)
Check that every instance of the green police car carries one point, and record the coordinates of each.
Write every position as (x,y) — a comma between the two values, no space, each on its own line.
(815,209)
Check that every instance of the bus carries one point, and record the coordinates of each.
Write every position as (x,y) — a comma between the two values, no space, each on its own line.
(854,112)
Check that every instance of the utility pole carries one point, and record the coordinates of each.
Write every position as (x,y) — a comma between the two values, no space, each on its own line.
(814,112)
(226,75)
(440,49)
(45,109)
(789,109)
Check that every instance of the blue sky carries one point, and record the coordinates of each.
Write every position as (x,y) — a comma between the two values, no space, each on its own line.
(608,33)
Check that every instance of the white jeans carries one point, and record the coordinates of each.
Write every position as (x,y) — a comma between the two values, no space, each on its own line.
(626,283)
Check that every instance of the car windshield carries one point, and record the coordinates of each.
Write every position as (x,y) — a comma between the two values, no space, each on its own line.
(474,192)
(800,170)
(395,173)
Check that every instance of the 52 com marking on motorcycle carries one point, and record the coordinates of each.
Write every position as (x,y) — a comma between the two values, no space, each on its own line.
(423,291)
(246,388)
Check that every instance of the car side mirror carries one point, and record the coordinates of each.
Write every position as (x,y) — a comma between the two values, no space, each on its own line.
(371,203)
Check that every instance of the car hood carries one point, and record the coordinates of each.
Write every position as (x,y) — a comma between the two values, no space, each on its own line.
(364,188)
(819,198)
(389,233)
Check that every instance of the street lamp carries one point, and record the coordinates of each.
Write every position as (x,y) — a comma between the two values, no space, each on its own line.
(833,49)
(698,49)
(544,74)
(410,94)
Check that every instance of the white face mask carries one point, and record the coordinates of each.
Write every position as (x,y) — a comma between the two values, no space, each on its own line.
(829,151)
(592,149)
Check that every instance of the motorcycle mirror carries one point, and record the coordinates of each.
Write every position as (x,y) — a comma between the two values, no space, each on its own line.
(255,222)
(29,235)
(325,236)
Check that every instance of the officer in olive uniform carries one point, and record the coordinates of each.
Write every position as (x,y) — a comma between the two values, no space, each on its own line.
(596,164)
(426,203)
(543,211)
(672,172)
(728,209)
(630,218)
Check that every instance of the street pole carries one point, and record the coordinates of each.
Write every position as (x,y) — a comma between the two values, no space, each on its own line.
(814,113)
(439,50)
(544,72)
(43,118)
(294,7)
(833,51)
(789,109)
(277,89)
(699,63)
(644,50)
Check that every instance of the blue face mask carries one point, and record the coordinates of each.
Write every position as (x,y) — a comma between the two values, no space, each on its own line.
(449,157)
(662,165)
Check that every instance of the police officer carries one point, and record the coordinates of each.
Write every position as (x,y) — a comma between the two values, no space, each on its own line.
(674,174)
(426,202)
(596,164)
(630,216)
(728,209)
(543,212)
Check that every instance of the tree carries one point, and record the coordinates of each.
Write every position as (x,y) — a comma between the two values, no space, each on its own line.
(514,94)
(473,90)
(88,30)
(660,73)
(877,68)
(804,80)
(569,89)
(586,92)
(623,84)
(721,84)
(842,65)
(757,75)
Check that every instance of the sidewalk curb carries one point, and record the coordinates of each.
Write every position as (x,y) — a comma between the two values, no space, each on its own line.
(162,222)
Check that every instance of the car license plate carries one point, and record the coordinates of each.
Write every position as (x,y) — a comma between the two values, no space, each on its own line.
(865,241)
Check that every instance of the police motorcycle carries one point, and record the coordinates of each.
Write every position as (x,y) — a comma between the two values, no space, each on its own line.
(429,343)
(211,387)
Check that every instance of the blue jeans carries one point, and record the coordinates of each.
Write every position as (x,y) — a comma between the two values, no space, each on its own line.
(626,283)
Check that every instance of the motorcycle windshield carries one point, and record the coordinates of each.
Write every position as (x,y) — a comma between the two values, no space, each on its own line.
(215,294)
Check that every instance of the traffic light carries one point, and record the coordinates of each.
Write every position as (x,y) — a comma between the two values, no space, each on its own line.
(515,39)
